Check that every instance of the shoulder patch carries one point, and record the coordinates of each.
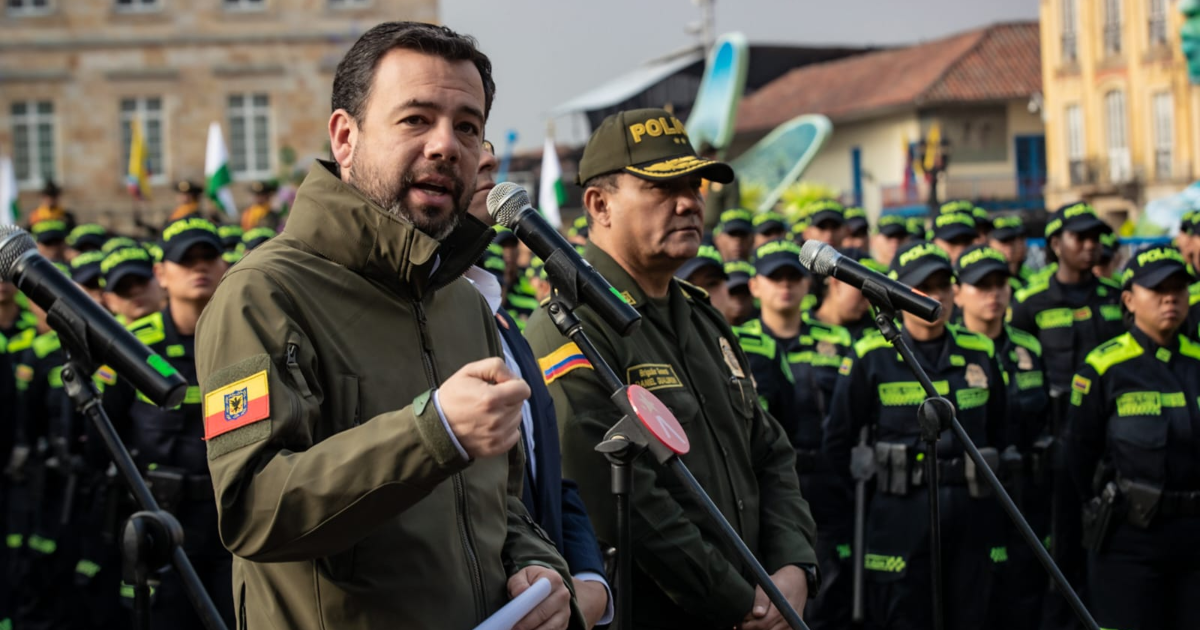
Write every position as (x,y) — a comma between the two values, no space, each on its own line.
(1025,340)
(1035,286)
(1188,348)
(692,290)
(1112,284)
(566,359)
(237,405)
(45,344)
(869,343)
(972,341)
(847,365)
(828,332)
(1116,350)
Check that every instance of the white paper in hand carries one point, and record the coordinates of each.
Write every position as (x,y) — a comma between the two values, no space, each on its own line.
(514,611)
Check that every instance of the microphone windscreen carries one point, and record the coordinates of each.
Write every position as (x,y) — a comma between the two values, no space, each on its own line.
(818,257)
(505,201)
(13,242)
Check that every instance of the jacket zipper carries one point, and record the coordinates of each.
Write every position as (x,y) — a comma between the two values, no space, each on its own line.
(460,494)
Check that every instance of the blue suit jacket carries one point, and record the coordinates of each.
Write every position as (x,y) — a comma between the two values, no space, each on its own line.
(553,502)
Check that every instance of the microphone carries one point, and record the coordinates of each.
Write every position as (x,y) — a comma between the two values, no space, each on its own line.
(82,324)
(508,204)
(823,259)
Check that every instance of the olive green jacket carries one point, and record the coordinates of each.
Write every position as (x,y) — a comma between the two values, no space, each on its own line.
(684,575)
(348,504)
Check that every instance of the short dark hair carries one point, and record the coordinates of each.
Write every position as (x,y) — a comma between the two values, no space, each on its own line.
(356,71)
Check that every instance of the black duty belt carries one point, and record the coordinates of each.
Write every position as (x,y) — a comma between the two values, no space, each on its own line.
(1180,504)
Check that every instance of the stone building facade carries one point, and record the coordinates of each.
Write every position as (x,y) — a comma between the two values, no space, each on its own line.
(74,73)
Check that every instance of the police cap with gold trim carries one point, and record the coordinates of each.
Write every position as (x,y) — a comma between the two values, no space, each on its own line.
(648,143)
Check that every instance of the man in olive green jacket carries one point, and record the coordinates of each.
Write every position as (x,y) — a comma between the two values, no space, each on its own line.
(360,428)
(641,190)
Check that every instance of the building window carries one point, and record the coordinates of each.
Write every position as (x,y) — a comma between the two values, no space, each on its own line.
(23,8)
(244,5)
(149,111)
(33,142)
(1112,27)
(1069,52)
(1163,111)
(1158,22)
(349,4)
(138,6)
(1119,166)
(1075,150)
(250,136)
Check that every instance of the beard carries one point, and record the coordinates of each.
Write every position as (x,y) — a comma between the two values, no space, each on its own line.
(390,193)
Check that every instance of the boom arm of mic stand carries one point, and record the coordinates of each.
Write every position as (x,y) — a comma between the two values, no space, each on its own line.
(635,437)
(937,414)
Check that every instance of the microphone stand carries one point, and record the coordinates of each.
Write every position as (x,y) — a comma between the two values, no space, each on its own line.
(627,439)
(935,415)
(153,538)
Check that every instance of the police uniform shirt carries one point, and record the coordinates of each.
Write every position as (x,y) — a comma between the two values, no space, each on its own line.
(876,387)
(1069,321)
(1020,355)
(1139,404)
(773,379)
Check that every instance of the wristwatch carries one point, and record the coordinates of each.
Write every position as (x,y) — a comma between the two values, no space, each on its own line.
(813,575)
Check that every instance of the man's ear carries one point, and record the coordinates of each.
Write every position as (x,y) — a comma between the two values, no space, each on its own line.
(596,204)
(343,136)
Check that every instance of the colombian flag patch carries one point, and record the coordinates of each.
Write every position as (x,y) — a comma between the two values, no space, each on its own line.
(562,361)
(236,405)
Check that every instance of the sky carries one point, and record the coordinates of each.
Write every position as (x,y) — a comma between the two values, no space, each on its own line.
(545,52)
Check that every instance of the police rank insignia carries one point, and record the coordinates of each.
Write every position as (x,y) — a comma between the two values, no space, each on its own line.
(976,377)
(1024,360)
(730,358)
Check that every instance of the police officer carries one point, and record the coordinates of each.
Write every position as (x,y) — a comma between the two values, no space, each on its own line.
(260,213)
(741,307)
(1070,311)
(253,238)
(824,221)
(983,293)
(769,226)
(168,444)
(734,235)
(642,194)
(1110,256)
(1133,434)
(858,230)
(7,436)
(89,237)
(131,291)
(51,238)
(891,234)
(187,200)
(954,232)
(844,305)
(877,391)
(1008,237)
(813,352)
(707,271)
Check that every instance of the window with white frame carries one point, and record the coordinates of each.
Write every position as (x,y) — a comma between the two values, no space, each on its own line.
(250,136)
(1120,168)
(1157,22)
(148,111)
(1069,40)
(1112,27)
(1075,148)
(1163,110)
(138,6)
(244,5)
(22,8)
(33,142)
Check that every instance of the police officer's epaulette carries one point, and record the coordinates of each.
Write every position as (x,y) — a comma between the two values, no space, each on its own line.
(870,343)
(690,290)
(43,345)
(21,341)
(752,340)
(1119,349)
(149,329)
(971,340)
(27,319)
(1025,340)
(1110,283)
(828,332)
(1035,286)
(1189,348)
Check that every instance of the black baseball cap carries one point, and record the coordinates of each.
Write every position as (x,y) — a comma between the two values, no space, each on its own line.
(49,231)
(118,242)
(708,256)
(257,236)
(893,225)
(959,205)
(856,219)
(184,234)
(1108,243)
(86,237)
(983,220)
(1150,267)
(916,226)
(775,255)
(648,143)
(739,273)
(124,263)
(1008,228)
(769,222)
(85,268)
(818,212)
(230,235)
(950,226)
(1078,217)
(977,262)
(916,261)
(579,227)
(735,220)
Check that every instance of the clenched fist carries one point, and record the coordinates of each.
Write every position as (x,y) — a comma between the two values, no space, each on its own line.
(482,404)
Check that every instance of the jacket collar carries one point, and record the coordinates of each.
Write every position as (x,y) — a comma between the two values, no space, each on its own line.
(339,223)
(1163,353)
(673,319)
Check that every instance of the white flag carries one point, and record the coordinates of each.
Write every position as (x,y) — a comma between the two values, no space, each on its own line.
(8,192)
(551,194)
(216,171)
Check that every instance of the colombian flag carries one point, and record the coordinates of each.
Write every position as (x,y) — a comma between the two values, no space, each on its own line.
(562,361)
(236,405)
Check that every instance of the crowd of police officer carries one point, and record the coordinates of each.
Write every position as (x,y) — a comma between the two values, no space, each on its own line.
(62,505)
(1077,381)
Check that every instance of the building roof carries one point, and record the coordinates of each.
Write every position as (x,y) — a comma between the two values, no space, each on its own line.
(998,62)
